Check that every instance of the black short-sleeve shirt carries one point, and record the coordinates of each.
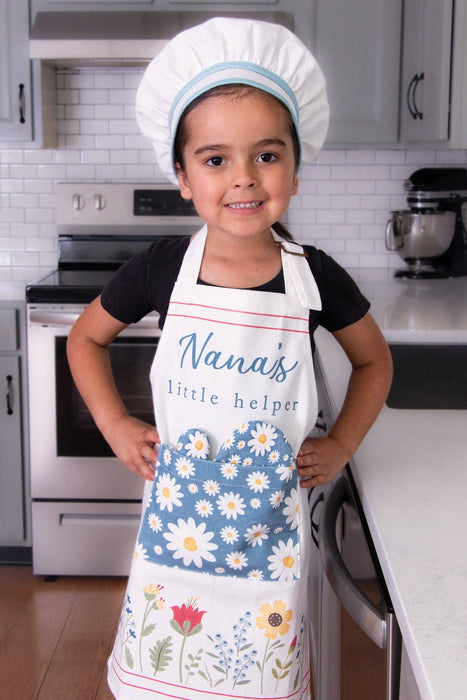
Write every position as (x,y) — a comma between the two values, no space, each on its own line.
(145,283)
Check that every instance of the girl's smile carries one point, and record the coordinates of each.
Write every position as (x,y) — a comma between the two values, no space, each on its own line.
(239,165)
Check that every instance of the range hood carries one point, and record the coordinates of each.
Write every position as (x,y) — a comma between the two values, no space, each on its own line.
(66,39)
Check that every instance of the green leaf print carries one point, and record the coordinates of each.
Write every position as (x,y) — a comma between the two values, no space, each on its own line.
(149,629)
(128,658)
(161,655)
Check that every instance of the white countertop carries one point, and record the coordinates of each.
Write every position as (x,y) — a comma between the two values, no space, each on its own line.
(411,472)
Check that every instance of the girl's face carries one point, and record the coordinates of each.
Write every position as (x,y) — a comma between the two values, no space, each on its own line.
(238,163)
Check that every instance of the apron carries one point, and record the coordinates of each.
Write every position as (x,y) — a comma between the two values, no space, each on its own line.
(217,598)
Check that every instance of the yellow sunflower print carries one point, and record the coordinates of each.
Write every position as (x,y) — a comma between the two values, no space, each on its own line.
(274,618)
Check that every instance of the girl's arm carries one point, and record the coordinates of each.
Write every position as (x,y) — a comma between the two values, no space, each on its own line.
(321,459)
(131,440)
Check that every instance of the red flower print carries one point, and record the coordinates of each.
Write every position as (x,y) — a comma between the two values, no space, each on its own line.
(187,618)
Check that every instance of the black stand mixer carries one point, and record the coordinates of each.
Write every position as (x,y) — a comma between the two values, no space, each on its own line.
(431,236)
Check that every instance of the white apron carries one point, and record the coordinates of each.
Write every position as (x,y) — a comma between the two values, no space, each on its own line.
(217,599)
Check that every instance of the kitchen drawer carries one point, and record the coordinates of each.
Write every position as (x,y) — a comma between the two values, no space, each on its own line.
(84,538)
(8,330)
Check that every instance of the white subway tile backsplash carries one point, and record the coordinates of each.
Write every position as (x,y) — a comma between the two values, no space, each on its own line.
(342,206)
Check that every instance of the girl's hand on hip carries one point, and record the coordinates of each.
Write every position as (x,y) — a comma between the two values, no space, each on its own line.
(135,443)
(319,460)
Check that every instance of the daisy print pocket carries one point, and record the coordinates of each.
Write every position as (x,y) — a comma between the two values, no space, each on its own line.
(237,515)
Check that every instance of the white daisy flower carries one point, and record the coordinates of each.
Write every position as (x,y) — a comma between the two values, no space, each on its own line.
(242,428)
(236,460)
(276,499)
(229,534)
(198,445)
(211,487)
(219,570)
(179,447)
(285,562)
(277,530)
(192,488)
(190,542)
(292,509)
(158,549)
(255,503)
(248,461)
(237,560)
(257,534)
(167,456)
(258,481)
(154,522)
(140,552)
(231,505)
(229,443)
(274,456)
(263,439)
(285,471)
(241,444)
(168,492)
(229,471)
(185,467)
(255,575)
(203,508)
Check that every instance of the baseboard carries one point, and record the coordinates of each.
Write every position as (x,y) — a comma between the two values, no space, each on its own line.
(16,555)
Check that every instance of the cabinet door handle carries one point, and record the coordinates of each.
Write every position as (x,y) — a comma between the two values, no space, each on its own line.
(413,109)
(21,104)
(9,394)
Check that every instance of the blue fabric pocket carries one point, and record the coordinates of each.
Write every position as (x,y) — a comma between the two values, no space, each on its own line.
(235,516)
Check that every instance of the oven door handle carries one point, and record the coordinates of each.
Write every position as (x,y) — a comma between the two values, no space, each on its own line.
(363,611)
(54,317)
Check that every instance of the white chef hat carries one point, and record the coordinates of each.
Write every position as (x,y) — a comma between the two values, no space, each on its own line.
(231,50)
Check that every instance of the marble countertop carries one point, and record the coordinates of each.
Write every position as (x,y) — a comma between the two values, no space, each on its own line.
(411,472)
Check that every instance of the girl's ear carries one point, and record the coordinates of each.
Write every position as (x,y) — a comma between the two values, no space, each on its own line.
(295,185)
(185,189)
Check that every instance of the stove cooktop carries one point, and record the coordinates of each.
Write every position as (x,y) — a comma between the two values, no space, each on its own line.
(68,286)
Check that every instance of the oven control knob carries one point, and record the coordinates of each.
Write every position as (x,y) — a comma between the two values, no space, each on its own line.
(78,202)
(99,202)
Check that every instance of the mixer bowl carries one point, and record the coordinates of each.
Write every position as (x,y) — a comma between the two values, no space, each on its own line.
(420,236)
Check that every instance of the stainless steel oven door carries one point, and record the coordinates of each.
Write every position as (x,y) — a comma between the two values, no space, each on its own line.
(69,458)
(364,641)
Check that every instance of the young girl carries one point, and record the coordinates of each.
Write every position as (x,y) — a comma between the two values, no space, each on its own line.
(217,603)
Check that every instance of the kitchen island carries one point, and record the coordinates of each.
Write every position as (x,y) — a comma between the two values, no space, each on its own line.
(411,474)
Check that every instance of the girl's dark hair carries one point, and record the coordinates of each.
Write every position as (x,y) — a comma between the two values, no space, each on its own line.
(232,90)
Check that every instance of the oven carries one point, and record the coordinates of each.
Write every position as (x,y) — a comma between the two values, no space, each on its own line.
(86,504)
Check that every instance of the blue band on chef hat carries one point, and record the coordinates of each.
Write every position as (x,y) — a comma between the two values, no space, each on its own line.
(228,73)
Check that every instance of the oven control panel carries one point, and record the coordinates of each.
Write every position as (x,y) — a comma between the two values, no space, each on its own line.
(108,207)
(155,202)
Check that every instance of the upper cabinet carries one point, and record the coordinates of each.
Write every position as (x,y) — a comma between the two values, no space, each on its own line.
(388,68)
(15,76)
(459,77)
(426,70)
(358,46)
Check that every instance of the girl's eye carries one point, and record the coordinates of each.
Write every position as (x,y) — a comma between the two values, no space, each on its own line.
(215,161)
(267,157)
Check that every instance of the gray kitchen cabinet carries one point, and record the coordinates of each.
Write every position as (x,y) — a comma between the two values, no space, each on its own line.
(13,476)
(358,47)
(27,113)
(426,70)
(458,127)
(15,77)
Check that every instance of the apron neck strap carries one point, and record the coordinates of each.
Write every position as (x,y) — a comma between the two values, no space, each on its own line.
(298,278)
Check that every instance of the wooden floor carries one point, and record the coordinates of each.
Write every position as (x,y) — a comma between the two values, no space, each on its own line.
(55,637)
